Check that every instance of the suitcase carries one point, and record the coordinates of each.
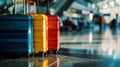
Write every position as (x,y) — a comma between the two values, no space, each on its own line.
(53,33)
(40,31)
(16,35)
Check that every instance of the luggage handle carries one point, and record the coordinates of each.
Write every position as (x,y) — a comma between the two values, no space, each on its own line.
(34,9)
(48,8)
(15,12)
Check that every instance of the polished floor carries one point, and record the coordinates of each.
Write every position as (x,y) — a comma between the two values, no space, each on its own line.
(90,47)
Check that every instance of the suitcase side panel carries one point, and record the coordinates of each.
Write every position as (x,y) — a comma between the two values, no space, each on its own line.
(30,35)
(40,38)
(53,32)
(16,35)
(54,21)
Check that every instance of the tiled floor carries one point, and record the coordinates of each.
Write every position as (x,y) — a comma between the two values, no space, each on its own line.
(105,43)
(86,48)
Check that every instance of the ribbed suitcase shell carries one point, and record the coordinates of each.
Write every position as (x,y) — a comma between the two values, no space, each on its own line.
(53,32)
(16,35)
(40,33)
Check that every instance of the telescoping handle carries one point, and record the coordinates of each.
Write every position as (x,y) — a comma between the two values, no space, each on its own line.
(48,8)
(29,8)
(15,5)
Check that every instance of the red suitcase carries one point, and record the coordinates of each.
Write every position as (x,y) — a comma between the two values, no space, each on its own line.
(53,31)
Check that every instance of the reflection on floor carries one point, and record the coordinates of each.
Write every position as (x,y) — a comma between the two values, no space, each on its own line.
(94,42)
(87,48)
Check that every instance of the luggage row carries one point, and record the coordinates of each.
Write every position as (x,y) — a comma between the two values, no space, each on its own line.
(29,34)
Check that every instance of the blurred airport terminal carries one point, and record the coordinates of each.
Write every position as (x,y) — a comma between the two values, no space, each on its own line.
(89,33)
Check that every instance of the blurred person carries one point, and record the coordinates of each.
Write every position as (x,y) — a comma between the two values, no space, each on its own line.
(70,24)
(113,23)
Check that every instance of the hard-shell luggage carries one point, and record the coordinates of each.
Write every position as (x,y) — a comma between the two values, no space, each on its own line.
(53,31)
(40,38)
(40,31)
(16,35)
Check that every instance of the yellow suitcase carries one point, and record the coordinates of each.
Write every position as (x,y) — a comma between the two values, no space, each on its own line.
(40,32)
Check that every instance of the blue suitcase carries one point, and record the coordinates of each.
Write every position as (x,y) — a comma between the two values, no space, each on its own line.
(16,35)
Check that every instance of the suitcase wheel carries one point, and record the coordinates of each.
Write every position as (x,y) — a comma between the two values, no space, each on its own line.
(43,54)
(55,51)
(29,55)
